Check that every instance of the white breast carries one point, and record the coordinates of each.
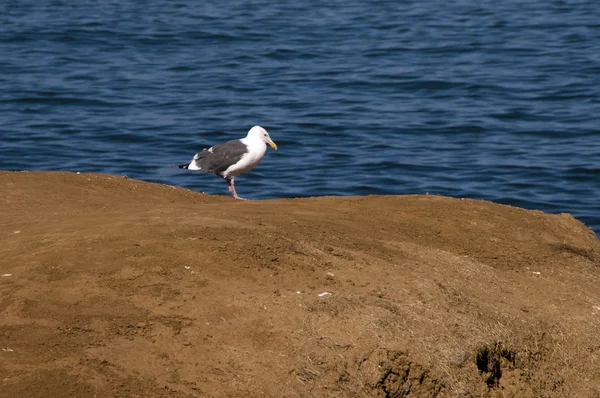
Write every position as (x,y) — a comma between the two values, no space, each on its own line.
(256,153)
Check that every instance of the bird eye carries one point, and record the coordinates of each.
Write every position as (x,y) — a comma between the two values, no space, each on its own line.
(265,135)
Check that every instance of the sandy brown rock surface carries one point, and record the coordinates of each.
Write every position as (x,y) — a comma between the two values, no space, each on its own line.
(113,287)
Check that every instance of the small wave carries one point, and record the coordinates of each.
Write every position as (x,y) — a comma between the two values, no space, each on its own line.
(50,100)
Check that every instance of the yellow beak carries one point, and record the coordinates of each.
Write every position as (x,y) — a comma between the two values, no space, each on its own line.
(273,145)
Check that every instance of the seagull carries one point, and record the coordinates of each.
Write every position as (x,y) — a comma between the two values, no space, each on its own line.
(232,158)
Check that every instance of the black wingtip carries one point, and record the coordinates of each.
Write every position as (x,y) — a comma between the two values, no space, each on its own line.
(183,166)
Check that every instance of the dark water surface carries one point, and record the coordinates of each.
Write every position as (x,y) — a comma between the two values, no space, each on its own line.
(496,100)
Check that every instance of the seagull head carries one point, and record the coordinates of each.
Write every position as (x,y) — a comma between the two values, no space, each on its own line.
(258,133)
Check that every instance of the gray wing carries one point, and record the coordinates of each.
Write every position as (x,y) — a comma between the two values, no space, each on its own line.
(218,158)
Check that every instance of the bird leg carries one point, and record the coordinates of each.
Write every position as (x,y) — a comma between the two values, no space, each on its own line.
(232,188)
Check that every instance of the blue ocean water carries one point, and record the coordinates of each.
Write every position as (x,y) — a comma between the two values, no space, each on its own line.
(496,100)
